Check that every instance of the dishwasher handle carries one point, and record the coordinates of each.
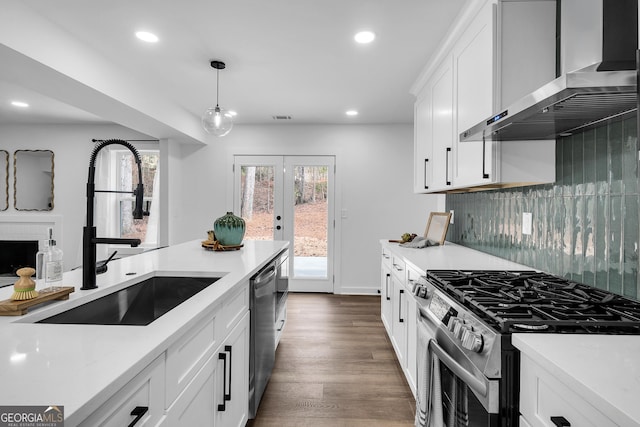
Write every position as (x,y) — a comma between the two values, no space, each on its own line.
(264,277)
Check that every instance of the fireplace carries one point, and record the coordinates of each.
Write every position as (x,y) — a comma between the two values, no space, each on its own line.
(19,237)
(15,254)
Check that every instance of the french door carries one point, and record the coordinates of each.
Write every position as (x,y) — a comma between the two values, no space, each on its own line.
(291,198)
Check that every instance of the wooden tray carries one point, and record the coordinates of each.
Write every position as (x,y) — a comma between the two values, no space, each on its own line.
(213,245)
(18,308)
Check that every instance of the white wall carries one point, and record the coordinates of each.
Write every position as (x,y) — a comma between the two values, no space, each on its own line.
(72,148)
(373,177)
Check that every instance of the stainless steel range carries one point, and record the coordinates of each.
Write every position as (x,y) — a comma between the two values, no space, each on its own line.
(470,375)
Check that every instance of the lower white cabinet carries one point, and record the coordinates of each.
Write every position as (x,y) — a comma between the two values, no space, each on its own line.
(399,311)
(140,400)
(202,379)
(546,401)
(218,394)
(386,308)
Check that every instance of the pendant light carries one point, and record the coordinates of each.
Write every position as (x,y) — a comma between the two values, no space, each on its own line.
(217,121)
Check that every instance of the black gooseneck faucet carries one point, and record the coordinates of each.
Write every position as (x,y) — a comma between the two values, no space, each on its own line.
(89,239)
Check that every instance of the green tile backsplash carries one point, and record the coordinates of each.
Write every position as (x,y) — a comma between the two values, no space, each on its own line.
(585,225)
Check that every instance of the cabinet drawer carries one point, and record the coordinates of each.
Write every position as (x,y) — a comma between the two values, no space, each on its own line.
(386,257)
(543,396)
(398,268)
(145,390)
(232,310)
(186,356)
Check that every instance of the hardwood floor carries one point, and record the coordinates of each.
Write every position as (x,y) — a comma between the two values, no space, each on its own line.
(335,366)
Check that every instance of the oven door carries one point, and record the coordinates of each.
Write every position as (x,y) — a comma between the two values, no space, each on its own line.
(452,392)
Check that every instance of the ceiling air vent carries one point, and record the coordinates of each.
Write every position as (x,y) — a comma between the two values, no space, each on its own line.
(281,117)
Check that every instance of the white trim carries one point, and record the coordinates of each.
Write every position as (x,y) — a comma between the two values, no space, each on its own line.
(31,227)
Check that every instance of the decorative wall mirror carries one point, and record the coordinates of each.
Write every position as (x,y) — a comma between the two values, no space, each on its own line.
(437,226)
(4,180)
(33,180)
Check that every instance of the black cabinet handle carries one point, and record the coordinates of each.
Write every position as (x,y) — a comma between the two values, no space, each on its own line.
(387,287)
(228,349)
(281,325)
(426,161)
(560,422)
(278,227)
(223,406)
(484,157)
(138,412)
(400,319)
(446,177)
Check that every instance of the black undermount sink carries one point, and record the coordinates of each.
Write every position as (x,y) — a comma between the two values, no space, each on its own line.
(138,304)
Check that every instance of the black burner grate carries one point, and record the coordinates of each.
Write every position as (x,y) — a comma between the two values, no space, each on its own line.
(513,301)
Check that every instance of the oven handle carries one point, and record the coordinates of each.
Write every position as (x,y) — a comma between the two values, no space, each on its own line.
(469,379)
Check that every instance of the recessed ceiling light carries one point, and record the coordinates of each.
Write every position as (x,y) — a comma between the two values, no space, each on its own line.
(147,36)
(364,37)
(19,104)
(351,113)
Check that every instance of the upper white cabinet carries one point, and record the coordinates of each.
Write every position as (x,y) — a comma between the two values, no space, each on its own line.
(497,52)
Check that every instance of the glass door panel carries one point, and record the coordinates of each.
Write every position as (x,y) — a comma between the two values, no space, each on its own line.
(291,198)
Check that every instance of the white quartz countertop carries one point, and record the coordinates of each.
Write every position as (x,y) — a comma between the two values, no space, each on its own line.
(602,369)
(451,257)
(79,366)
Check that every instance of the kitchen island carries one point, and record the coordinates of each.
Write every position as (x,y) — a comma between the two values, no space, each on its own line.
(80,367)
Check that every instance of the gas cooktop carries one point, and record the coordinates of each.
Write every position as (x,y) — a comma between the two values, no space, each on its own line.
(520,301)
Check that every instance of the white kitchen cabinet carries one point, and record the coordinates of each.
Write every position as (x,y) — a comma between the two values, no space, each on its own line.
(218,394)
(144,394)
(543,396)
(386,307)
(474,71)
(236,347)
(411,368)
(423,142)
(433,138)
(201,379)
(498,52)
(400,311)
(399,322)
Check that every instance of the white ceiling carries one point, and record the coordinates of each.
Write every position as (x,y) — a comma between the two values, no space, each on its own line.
(284,57)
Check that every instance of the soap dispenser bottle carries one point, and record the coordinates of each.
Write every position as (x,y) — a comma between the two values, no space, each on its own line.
(43,248)
(53,265)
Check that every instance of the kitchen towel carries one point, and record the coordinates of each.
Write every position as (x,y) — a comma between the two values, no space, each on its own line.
(419,243)
(428,396)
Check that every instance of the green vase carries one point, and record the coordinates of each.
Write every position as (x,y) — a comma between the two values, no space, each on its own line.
(229,229)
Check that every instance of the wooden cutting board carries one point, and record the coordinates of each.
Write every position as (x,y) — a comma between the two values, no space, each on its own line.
(18,308)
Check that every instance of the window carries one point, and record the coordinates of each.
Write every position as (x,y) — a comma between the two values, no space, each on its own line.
(126,174)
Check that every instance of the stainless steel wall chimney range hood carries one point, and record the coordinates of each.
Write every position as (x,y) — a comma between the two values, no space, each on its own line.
(596,52)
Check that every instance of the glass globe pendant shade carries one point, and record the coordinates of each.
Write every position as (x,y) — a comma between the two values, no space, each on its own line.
(217,121)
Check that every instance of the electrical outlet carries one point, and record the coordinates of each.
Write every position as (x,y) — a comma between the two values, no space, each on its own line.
(526,223)
(451,220)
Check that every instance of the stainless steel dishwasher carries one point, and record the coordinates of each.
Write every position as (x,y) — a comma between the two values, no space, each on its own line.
(263,331)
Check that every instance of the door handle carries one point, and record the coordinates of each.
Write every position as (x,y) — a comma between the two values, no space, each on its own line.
(446,177)
(560,422)
(387,287)
(223,406)
(228,348)
(484,157)
(426,162)
(138,412)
